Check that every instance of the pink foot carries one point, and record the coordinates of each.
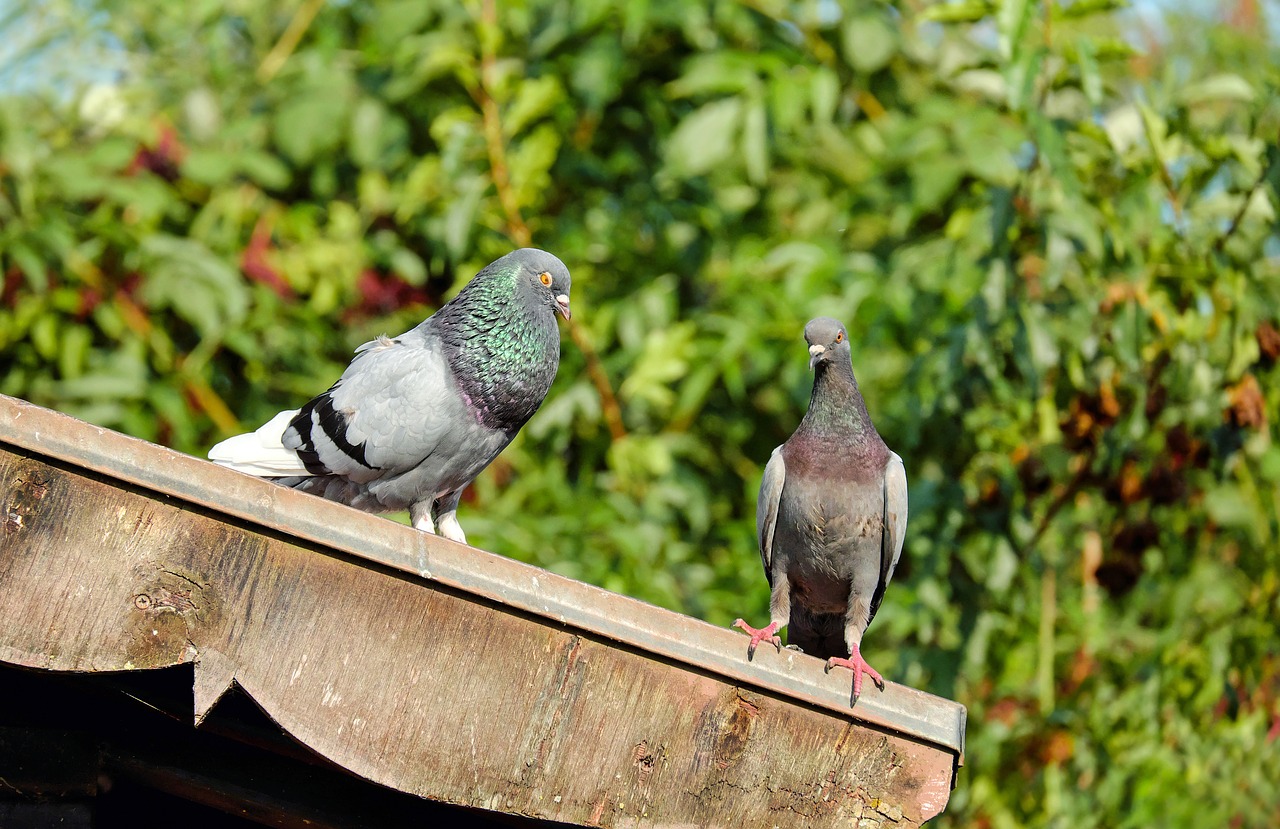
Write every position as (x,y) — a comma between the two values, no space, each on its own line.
(859,666)
(764,634)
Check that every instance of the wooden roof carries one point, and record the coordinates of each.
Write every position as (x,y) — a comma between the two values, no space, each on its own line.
(430,667)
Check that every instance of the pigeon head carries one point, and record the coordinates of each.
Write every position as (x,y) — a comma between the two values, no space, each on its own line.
(545,274)
(828,341)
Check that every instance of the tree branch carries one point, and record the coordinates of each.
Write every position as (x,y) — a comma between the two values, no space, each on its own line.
(595,370)
(288,41)
(494,143)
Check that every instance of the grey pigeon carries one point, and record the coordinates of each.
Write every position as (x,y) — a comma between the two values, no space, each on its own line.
(830,518)
(415,418)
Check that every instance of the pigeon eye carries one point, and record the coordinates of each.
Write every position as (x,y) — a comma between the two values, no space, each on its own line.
(839,336)
(545,278)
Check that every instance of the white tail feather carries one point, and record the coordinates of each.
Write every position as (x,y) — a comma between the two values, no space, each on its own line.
(261,453)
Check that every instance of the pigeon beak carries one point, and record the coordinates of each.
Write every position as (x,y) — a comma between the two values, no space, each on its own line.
(815,355)
(562,305)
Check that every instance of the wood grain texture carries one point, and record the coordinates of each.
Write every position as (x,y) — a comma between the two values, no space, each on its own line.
(426,690)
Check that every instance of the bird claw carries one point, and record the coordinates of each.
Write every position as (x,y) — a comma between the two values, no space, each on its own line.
(859,666)
(758,635)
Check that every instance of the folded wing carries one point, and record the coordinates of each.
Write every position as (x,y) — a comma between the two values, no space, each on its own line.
(394,406)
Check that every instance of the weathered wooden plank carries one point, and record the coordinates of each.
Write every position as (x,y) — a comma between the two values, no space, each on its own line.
(428,688)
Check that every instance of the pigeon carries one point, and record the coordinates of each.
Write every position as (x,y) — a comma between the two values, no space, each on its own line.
(830,517)
(415,418)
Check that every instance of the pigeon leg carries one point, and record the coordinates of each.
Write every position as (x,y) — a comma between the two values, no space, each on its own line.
(859,666)
(779,614)
(420,513)
(447,517)
(758,635)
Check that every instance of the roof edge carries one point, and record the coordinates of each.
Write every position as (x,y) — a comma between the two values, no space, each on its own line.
(662,633)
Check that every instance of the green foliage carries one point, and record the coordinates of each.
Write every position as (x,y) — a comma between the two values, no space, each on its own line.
(1059,257)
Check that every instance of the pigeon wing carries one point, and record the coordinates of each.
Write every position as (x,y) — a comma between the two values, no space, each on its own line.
(895,525)
(389,410)
(775,474)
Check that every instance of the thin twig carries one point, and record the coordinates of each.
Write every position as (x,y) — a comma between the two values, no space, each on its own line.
(1044,641)
(595,370)
(1222,240)
(1162,167)
(1063,498)
(869,104)
(518,229)
(288,41)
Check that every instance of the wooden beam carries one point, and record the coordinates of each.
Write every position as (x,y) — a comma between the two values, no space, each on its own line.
(431,667)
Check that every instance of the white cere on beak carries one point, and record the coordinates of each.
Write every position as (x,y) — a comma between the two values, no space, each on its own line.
(562,301)
(815,354)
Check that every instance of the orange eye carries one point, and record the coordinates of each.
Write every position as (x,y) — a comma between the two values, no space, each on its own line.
(545,278)
(839,336)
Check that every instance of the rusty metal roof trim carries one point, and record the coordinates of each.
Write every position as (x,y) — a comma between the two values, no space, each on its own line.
(663,633)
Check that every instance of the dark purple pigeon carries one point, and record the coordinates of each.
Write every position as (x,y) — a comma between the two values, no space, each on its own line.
(830,518)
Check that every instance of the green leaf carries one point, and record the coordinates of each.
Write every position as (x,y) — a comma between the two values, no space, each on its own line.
(44,336)
(824,91)
(461,215)
(1084,8)
(1011,22)
(755,142)
(869,42)
(74,350)
(264,169)
(1223,87)
(408,266)
(426,57)
(307,125)
(368,122)
(210,167)
(396,19)
(1228,506)
(717,73)
(535,99)
(531,161)
(704,138)
(961,11)
(1090,76)
(200,287)
(31,265)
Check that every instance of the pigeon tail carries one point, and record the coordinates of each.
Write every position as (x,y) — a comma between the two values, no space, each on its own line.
(260,452)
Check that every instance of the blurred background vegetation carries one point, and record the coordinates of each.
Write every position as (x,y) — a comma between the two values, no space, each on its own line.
(1051,226)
